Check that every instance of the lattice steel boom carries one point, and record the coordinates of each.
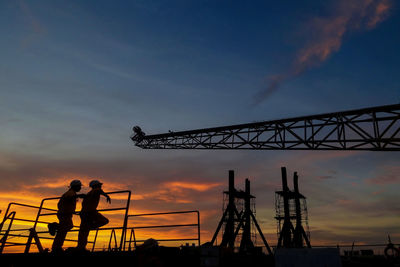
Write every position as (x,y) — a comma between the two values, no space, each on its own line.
(375,128)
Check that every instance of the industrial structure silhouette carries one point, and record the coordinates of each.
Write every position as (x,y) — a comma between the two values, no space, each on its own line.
(370,129)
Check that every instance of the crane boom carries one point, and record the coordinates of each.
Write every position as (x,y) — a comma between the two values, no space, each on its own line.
(374,129)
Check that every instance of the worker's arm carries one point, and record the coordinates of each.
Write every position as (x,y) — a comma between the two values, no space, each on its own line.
(107,196)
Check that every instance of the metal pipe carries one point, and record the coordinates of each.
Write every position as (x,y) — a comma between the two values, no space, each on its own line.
(164,240)
(164,226)
(297,199)
(95,239)
(163,213)
(229,228)
(123,234)
(285,187)
(5,236)
(198,226)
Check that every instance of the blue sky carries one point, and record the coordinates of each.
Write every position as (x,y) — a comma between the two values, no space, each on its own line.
(76,76)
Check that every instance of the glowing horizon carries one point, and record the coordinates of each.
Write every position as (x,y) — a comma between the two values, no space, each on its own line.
(75,77)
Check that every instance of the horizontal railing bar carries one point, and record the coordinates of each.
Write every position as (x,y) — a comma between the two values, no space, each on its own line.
(48,214)
(76,230)
(18,235)
(113,209)
(16,230)
(72,230)
(163,213)
(133,215)
(78,212)
(29,206)
(26,220)
(43,237)
(119,192)
(109,193)
(161,226)
(13,244)
(164,240)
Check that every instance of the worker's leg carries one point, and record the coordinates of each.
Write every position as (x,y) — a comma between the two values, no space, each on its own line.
(84,230)
(65,224)
(99,220)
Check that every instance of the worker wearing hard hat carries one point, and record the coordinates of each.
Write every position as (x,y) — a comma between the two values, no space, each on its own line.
(66,208)
(90,217)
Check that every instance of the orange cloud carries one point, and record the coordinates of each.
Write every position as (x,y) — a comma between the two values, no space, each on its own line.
(328,33)
(380,13)
(175,191)
(64,180)
(201,187)
(18,196)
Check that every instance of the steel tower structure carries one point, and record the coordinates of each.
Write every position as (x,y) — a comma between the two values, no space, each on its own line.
(369,129)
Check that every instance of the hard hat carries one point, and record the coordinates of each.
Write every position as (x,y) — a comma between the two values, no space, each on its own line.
(75,183)
(94,183)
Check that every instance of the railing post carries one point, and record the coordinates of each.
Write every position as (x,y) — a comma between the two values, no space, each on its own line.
(38,214)
(5,216)
(123,234)
(95,239)
(109,242)
(28,243)
(33,235)
(130,239)
(5,236)
(198,226)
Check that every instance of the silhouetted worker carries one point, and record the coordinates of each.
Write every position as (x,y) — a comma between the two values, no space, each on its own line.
(66,208)
(90,217)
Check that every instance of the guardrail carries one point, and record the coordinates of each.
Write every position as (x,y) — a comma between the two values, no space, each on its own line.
(133,236)
(35,236)
(51,212)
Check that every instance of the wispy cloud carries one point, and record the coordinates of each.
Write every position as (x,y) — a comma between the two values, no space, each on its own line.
(389,175)
(327,37)
(36,26)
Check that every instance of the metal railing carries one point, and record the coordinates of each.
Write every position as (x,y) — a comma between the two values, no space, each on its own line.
(10,217)
(9,232)
(135,241)
(52,212)
(43,212)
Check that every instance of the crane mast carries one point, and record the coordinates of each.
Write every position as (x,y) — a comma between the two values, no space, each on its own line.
(374,129)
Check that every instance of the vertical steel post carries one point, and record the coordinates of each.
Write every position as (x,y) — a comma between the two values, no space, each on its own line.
(228,238)
(246,242)
(286,232)
(5,236)
(298,241)
(5,215)
(198,226)
(95,239)
(299,232)
(123,234)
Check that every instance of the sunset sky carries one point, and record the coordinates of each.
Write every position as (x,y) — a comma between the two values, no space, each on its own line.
(75,76)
